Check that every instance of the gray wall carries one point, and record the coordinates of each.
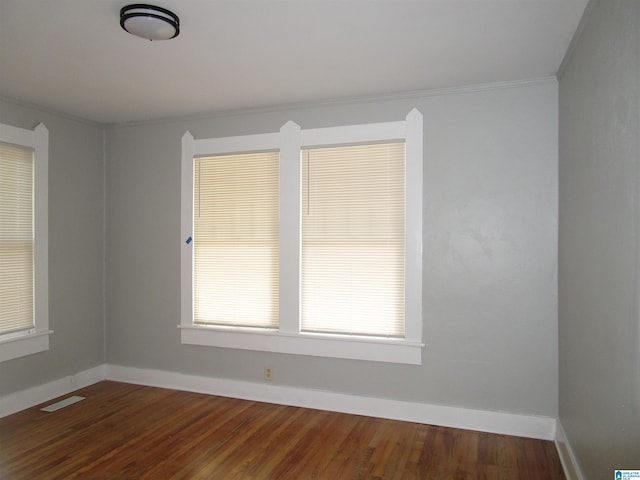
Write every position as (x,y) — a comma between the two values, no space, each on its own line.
(490,250)
(76,250)
(599,332)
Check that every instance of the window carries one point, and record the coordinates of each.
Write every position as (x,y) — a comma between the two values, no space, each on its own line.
(24,307)
(352,271)
(235,256)
(311,239)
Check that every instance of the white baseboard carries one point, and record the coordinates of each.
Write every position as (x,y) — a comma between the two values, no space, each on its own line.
(565,452)
(480,420)
(24,399)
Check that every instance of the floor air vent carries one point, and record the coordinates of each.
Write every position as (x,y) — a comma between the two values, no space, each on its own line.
(62,403)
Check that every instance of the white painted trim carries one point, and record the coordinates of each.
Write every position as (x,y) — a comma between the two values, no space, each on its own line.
(15,402)
(41,229)
(17,136)
(353,134)
(16,346)
(186,231)
(240,144)
(413,227)
(457,417)
(289,240)
(316,345)
(530,426)
(567,457)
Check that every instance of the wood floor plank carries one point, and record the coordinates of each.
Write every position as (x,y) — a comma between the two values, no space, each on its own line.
(124,431)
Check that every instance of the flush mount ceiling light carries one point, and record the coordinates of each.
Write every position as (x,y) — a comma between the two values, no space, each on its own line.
(149,21)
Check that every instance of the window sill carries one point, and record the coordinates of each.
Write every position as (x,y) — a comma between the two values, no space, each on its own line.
(15,346)
(334,346)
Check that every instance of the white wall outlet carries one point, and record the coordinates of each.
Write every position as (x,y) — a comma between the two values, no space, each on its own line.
(268,373)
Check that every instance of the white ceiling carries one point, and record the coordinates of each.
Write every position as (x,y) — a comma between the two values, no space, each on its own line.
(72,55)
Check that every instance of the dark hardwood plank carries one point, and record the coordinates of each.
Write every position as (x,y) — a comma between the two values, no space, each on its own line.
(124,431)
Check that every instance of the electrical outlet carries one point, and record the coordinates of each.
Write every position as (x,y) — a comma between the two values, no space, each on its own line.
(268,373)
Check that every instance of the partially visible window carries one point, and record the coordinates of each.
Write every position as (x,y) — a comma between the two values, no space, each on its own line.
(353,236)
(23,241)
(235,255)
(16,238)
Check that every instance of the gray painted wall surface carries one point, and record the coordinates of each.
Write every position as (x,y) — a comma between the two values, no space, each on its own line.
(599,334)
(76,250)
(490,250)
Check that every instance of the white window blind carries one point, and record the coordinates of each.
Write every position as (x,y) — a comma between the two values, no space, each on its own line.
(236,234)
(16,238)
(353,239)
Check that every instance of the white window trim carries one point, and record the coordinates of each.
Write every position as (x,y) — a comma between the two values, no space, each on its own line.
(20,344)
(288,338)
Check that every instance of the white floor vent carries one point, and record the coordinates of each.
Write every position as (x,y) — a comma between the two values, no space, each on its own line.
(62,403)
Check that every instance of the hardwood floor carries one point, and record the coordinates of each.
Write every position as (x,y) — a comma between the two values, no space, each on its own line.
(124,431)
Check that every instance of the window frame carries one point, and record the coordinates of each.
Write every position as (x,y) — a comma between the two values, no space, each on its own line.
(289,338)
(19,344)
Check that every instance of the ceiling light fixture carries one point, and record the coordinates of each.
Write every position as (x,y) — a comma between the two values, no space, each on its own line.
(149,21)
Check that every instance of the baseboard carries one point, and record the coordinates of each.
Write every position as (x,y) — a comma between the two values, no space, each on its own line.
(480,420)
(565,452)
(457,417)
(30,397)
